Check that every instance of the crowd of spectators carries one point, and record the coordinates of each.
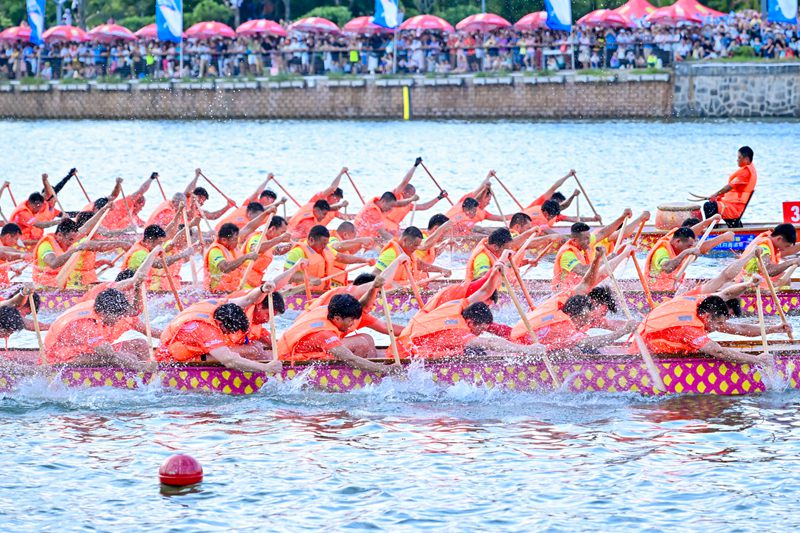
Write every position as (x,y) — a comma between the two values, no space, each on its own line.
(744,34)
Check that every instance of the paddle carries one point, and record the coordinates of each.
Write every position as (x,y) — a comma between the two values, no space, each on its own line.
(82,187)
(171,282)
(390,328)
(66,269)
(635,240)
(218,190)
(36,327)
(11,194)
(547,363)
(353,183)
(299,287)
(652,369)
(499,208)
(645,287)
(113,262)
(147,330)
(307,286)
(691,259)
(273,336)
(763,327)
(512,262)
(435,182)
(158,181)
(588,200)
(763,269)
(188,234)
(61,207)
(261,238)
(539,256)
(127,207)
(620,235)
(285,192)
(503,185)
(414,287)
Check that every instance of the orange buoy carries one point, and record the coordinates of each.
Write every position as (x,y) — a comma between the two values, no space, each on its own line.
(180,470)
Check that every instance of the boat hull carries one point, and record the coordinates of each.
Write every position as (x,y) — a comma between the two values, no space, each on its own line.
(620,374)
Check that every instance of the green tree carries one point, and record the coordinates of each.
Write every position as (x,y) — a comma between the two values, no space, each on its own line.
(338,14)
(208,10)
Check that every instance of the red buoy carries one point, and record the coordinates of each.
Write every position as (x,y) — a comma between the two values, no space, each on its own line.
(180,470)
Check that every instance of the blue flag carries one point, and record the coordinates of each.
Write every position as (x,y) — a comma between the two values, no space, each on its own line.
(169,20)
(559,14)
(387,14)
(36,20)
(782,11)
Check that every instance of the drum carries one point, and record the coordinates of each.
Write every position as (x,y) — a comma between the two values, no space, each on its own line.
(670,216)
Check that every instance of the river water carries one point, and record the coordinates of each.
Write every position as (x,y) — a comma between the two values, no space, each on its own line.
(406,454)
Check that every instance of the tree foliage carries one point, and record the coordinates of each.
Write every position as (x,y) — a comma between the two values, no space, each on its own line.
(338,14)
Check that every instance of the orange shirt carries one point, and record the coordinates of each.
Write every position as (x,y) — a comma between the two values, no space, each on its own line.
(398,214)
(118,218)
(370,220)
(742,183)
(25,218)
(162,215)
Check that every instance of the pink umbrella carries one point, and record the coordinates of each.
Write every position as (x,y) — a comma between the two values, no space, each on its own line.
(147,32)
(314,25)
(208,30)
(65,33)
(703,12)
(532,21)
(16,33)
(482,22)
(427,22)
(364,26)
(261,27)
(673,15)
(606,18)
(111,32)
(636,9)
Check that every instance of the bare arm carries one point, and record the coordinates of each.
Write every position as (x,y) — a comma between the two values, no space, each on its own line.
(407,178)
(192,184)
(714,349)
(497,344)
(335,183)
(353,245)
(231,359)
(606,231)
(348,259)
(346,356)
(226,266)
(436,236)
(487,289)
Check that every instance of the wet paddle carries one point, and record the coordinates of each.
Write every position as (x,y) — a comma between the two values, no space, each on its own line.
(353,183)
(389,327)
(413,283)
(551,369)
(158,181)
(147,329)
(188,233)
(652,369)
(281,187)
(78,179)
(228,198)
(127,206)
(645,287)
(113,262)
(760,306)
(36,327)
(435,182)
(508,192)
(763,269)
(171,282)
(588,201)
(499,208)
(273,336)
(250,266)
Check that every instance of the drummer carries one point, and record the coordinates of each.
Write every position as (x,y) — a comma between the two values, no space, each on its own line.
(731,200)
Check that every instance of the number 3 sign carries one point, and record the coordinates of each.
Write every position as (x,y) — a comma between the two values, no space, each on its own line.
(791,212)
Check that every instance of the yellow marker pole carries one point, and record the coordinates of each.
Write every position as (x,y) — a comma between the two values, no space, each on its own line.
(406,103)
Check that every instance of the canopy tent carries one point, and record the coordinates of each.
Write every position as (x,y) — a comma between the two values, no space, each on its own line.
(636,9)
(606,18)
(483,22)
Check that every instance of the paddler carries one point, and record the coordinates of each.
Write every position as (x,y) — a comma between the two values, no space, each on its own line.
(124,213)
(731,200)
(86,334)
(10,253)
(222,264)
(83,271)
(209,332)
(320,258)
(373,221)
(454,329)
(165,212)
(25,217)
(21,302)
(322,334)
(562,322)
(276,241)
(321,214)
(55,249)
(438,227)
(775,244)
(408,243)
(126,279)
(553,190)
(574,257)
(153,237)
(681,326)
(344,240)
(262,195)
(407,190)
(471,209)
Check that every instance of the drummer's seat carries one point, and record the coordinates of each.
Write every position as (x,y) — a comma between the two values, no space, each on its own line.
(737,222)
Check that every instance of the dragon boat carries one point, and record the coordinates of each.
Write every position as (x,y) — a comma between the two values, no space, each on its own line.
(402,301)
(613,372)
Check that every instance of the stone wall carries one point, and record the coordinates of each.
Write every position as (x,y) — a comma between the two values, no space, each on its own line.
(737,90)
(462,97)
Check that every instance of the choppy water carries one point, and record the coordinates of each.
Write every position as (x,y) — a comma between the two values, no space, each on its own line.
(403,455)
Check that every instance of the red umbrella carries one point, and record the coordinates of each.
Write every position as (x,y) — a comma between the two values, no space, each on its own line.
(606,18)
(147,32)
(111,32)
(208,30)
(693,6)
(364,26)
(673,15)
(532,21)
(261,27)
(65,33)
(16,33)
(636,9)
(482,22)
(314,25)
(427,22)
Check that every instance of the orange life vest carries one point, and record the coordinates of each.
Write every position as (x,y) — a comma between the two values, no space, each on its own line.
(429,255)
(256,275)
(43,275)
(172,349)
(118,218)
(365,228)
(763,239)
(482,248)
(222,281)
(309,322)
(22,216)
(567,280)
(446,317)
(157,277)
(547,314)
(238,217)
(401,275)
(98,332)
(397,214)
(664,281)
(678,312)
(319,265)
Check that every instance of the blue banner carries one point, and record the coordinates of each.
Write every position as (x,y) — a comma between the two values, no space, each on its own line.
(387,14)
(36,20)
(782,11)
(559,14)
(169,20)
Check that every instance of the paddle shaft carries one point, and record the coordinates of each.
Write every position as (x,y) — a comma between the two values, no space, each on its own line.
(171,282)
(273,337)
(414,287)
(645,287)
(588,200)
(691,259)
(635,241)
(435,182)
(503,185)
(82,188)
(281,187)
(163,194)
(652,369)
(499,208)
(127,207)
(188,234)
(113,261)
(389,327)
(620,235)
(772,293)
(11,194)
(66,269)
(249,268)
(353,183)
(522,286)
(147,330)
(547,362)
(219,190)
(36,327)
